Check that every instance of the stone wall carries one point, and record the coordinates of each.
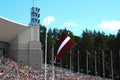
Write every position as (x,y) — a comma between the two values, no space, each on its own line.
(26,47)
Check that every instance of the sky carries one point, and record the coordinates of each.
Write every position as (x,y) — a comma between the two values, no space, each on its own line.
(74,15)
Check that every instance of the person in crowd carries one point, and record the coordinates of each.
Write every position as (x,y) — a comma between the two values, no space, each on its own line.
(11,70)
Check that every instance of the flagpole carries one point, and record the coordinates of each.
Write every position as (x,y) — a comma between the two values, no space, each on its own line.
(70,60)
(60,63)
(33,3)
(103,65)
(53,62)
(112,66)
(95,65)
(78,63)
(99,59)
(46,54)
(61,68)
(119,58)
(87,63)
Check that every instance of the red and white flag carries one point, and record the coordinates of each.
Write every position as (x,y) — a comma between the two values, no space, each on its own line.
(65,43)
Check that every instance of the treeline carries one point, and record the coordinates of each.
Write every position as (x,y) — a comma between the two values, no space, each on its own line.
(90,41)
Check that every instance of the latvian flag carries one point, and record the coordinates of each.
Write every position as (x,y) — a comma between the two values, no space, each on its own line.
(64,44)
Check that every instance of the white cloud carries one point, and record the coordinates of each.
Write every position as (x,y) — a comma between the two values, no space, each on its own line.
(70,24)
(48,20)
(110,25)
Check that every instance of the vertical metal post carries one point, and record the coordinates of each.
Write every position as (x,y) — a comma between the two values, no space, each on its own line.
(103,65)
(53,62)
(61,68)
(119,60)
(112,66)
(46,55)
(70,60)
(95,65)
(78,62)
(87,62)
(60,63)
(33,3)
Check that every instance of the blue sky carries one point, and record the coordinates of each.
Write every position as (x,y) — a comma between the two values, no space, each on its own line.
(75,15)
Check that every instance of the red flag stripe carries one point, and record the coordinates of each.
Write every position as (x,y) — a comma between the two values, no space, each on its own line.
(63,50)
(64,45)
(63,37)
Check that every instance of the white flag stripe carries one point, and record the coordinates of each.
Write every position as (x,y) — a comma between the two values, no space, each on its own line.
(63,43)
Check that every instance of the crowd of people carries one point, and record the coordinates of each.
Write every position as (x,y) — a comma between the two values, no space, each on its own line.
(11,70)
